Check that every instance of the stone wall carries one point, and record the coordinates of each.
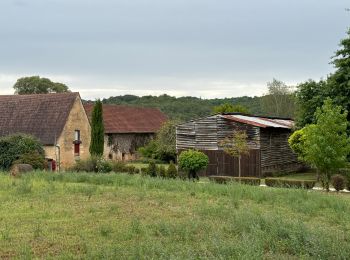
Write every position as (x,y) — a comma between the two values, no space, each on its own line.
(123,147)
(77,120)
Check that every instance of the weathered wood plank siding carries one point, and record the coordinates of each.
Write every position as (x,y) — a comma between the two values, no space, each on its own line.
(276,155)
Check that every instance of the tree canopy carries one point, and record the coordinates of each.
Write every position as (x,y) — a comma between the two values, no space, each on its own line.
(37,85)
(230,108)
(327,144)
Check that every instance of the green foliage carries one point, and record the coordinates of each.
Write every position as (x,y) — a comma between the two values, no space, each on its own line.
(288,183)
(37,85)
(236,144)
(309,95)
(15,147)
(327,144)
(279,101)
(338,182)
(172,171)
(244,180)
(97,130)
(297,143)
(193,161)
(185,108)
(36,160)
(93,164)
(230,108)
(163,147)
(162,171)
(152,169)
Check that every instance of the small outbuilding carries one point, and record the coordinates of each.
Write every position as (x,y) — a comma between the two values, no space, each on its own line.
(127,128)
(267,140)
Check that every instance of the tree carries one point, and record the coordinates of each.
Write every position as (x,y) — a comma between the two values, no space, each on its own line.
(97,130)
(193,161)
(236,145)
(327,144)
(37,85)
(163,146)
(166,141)
(279,101)
(339,82)
(230,108)
(309,95)
(22,148)
(297,143)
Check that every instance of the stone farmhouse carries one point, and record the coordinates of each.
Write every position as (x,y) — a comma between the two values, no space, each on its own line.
(127,128)
(58,120)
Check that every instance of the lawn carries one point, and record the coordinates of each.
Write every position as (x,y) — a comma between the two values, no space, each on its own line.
(129,216)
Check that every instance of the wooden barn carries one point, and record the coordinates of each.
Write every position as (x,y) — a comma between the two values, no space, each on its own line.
(127,128)
(267,140)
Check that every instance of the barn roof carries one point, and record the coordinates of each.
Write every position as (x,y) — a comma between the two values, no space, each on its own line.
(127,119)
(259,121)
(40,115)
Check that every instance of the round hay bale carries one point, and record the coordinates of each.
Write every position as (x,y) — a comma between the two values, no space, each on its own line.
(19,168)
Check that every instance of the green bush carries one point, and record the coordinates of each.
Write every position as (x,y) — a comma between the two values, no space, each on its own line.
(162,171)
(338,181)
(284,183)
(172,171)
(244,180)
(93,164)
(13,147)
(346,173)
(119,166)
(192,161)
(152,169)
(221,179)
(248,180)
(36,160)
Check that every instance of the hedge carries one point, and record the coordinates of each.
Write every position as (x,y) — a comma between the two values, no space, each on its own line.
(243,180)
(284,183)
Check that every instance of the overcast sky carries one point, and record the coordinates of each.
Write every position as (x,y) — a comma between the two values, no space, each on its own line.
(204,48)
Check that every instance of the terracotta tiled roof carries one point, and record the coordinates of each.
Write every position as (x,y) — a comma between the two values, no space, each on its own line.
(127,119)
(40,115)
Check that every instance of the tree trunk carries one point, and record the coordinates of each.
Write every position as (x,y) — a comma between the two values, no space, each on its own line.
(239,168)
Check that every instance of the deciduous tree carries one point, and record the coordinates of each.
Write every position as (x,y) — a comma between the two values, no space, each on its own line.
(327,144)
(236,145)
(37,85)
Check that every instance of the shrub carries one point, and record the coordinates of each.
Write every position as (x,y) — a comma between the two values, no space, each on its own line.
(346,173)
(172,171)
(248,180)
(144,170)
(221,179)
(338,181)
(162,172)
(34,159)
(12,147)
(119,166)
(103,166)
(152,169)
(243,180)
(284,183)
(93,164)
(192,161)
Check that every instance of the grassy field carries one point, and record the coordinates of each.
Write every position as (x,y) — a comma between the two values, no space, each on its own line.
(113,216)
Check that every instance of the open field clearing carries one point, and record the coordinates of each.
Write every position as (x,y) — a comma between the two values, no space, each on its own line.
(93,216)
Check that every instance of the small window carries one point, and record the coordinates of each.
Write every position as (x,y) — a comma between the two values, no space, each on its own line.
(77,135)
(76,149)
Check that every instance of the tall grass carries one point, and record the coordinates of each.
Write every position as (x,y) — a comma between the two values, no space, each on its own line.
(81,215)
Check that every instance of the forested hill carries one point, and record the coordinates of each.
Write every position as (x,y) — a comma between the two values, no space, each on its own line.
(185,108)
